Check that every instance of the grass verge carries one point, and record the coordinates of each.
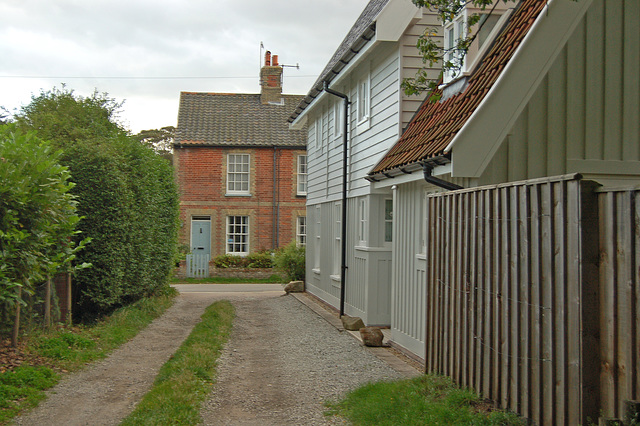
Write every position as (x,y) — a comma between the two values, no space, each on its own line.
(426,400)
(273,279)
(69,348)
(185,380)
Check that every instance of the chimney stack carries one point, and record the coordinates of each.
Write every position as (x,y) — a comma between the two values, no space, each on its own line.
(271,80)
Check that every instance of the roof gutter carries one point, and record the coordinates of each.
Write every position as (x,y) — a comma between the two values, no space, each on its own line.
(343,237)
(428,176)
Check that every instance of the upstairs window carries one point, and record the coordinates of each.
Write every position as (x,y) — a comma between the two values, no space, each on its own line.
(485,25)
(364,100)
(302,175)
(238,174)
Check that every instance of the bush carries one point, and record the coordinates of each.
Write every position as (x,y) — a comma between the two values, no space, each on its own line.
(230,261)
(290,260)
(261,259)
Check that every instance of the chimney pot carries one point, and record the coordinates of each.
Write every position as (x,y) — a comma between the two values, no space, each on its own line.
(267,58)
(275,60)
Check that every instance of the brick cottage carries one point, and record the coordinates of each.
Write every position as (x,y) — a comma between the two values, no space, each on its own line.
(242,172)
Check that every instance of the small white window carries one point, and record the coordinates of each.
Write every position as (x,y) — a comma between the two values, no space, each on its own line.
(301,231)
(302,175)
(364,100)
(238,235)
(338,121)
(388,221)
(363,218)
(423,223)
(337,247)
(317,248)
(238,173)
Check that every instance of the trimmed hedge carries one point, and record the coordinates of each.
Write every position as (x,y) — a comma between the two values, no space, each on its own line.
(126,193)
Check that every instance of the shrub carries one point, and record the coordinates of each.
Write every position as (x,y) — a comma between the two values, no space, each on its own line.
(230,261)
(290,260)
(261,259)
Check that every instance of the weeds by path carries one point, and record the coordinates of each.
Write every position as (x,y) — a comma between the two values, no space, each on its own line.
(70,348)
(185,380)
(426,400)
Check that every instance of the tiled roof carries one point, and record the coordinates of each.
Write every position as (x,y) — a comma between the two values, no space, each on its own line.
(213,119)
(436,123)
(361,32)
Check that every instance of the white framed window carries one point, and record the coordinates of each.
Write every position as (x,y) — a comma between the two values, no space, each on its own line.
(388,221)
(338,121)
(302,175)
(301,231)
(238,173)
(364,100)
(337,232)
(453,32)
(318,231)
(363,218)
(238,235)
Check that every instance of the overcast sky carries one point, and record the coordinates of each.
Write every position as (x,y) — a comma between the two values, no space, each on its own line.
(129,48)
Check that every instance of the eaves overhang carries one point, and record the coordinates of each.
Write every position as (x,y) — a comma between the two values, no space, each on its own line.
(410,168)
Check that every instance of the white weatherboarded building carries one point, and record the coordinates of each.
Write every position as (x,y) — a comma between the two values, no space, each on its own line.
(368,67)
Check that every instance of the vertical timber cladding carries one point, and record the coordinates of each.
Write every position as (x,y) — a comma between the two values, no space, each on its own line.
(512,283)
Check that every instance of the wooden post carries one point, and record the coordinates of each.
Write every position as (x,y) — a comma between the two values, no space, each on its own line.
(68,319)
(47,304)
(16,321)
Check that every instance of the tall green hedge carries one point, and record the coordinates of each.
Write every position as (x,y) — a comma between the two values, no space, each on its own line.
(126,194)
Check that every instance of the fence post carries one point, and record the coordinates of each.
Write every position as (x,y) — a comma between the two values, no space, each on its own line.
(589,301)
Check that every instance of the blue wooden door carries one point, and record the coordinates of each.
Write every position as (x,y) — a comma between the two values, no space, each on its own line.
(201,236)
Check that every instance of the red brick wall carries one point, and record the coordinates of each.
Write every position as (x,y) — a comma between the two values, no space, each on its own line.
(202,178)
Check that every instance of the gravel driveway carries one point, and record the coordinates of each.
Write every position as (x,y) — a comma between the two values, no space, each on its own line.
(279,366)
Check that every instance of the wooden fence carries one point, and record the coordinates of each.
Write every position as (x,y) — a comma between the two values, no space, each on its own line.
(198,265)
(517,301)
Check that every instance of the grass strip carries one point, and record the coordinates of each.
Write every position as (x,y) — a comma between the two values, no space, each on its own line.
(67,349)
(425,400)
(185,380)
(273,279)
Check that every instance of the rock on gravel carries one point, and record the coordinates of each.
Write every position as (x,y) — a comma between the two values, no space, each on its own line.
(282,363)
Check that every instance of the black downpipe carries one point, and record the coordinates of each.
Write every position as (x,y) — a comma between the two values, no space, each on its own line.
(438,182)
(343,238)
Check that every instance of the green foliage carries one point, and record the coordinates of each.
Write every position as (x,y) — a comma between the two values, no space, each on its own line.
(433,52)
(64,346)
(160,140)
(230,261)
(261,259)
(185,380)
(23,388)
(290,260)
(426,400)
(126,193)
(37,214)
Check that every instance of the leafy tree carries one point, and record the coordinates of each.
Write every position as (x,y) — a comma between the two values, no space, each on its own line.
(161,140)
(37,216)
(432,52)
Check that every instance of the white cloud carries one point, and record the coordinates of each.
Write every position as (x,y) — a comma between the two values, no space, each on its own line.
(218,39)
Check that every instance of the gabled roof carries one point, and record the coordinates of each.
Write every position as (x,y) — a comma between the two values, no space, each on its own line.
(231,119)
(435,124)
(360,34)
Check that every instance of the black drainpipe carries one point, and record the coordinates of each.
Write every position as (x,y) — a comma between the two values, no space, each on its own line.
(436,181)
(343,238)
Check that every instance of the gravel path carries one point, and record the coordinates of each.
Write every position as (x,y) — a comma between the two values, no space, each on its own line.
(280,365)
(282,362)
